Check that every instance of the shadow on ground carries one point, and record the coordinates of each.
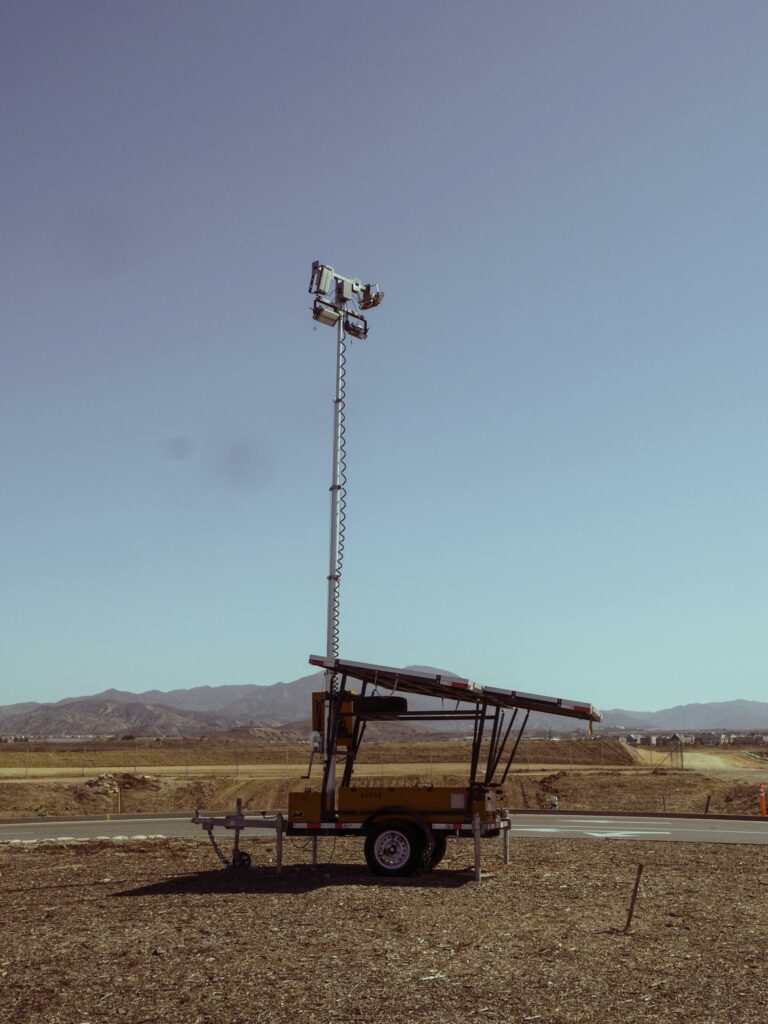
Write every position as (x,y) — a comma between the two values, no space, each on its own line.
(294,879)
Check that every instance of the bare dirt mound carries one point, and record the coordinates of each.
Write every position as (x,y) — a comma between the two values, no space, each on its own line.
(639,792)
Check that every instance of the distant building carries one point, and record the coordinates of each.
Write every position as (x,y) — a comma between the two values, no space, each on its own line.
(707,739)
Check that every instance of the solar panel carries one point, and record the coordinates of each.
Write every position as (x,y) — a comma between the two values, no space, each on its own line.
(446,686)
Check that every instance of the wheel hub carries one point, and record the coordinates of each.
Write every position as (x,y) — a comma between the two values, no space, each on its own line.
(392,849)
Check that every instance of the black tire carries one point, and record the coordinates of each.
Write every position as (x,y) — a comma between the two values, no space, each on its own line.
(241,861)
(394,848)
(438,851)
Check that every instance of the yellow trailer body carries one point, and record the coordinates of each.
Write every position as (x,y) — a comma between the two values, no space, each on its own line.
(444,804)
(306,806)
(434,803)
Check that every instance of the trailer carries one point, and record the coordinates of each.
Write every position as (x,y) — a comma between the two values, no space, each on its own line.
(404,828)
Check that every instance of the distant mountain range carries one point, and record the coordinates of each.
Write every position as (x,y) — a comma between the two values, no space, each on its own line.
(191,712)
(728,715)
(285,707)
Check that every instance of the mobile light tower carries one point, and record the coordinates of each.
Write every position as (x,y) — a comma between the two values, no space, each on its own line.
(405,828)
(334,296)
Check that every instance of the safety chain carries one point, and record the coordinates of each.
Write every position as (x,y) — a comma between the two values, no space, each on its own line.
(217,849)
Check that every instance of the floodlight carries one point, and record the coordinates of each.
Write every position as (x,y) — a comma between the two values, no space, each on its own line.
(371,296)
(321,279)
(325,313)
(357,326)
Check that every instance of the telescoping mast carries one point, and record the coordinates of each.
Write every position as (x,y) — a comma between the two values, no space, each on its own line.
(405,828)
(332,306)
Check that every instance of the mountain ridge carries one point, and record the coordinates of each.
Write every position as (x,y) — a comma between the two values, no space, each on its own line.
(207,708)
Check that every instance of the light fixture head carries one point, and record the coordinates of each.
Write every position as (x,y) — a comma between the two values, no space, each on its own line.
(356,326)
(325,313)
(322,278)
(371,296)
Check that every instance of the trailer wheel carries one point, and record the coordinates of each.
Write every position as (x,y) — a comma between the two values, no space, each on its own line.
(241,861)
(394,848)
(438,851)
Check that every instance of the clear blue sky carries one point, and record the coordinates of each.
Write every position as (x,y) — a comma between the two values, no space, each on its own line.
(557,428)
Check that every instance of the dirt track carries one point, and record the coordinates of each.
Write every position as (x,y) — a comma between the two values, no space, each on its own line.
(700,758)
(180,756)
(280,770)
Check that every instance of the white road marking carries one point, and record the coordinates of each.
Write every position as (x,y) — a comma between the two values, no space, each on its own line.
(722,831)
(704,826)
(534,828)
(590,821)
(625,835)
(580,830)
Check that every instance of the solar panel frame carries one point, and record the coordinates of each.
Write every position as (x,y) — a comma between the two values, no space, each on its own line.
(447,686)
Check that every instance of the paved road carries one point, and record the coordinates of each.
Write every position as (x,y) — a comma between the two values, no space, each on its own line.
(28,831)
(682,830)
(686,830)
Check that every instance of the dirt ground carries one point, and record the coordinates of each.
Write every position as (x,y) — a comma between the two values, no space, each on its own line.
(616,789)
(153,932)
(709,758)
(207,753)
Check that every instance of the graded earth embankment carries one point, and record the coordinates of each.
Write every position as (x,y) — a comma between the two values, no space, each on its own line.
(618,789)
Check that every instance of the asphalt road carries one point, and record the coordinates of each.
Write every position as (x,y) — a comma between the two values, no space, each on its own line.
(554,826)
(681,830)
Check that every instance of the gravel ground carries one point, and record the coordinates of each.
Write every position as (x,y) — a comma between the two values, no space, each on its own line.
(155,932)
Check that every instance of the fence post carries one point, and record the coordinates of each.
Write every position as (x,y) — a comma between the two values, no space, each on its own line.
(506,845)
(634,898)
